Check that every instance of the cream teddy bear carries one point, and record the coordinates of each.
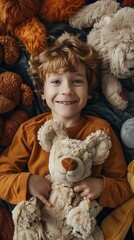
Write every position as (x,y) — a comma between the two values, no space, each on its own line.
(70,160)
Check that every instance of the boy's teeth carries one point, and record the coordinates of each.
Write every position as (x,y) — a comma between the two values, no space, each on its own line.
(66,103)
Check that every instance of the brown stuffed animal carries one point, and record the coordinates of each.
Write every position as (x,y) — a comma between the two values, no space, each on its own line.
(9,50)
(22,19)
(13,91)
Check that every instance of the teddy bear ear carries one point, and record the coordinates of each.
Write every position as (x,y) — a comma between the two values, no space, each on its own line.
(99,144)
(50,132)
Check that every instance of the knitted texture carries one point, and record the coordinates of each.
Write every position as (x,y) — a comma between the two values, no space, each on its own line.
(9,49)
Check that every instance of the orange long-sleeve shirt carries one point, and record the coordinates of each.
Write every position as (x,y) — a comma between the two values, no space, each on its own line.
(26,151)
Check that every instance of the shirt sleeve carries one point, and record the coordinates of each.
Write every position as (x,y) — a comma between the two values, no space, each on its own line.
(13,161)
(116,188)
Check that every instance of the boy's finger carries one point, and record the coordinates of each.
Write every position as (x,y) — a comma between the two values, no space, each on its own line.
(44,200)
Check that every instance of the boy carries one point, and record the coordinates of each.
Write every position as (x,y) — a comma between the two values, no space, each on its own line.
(67,73)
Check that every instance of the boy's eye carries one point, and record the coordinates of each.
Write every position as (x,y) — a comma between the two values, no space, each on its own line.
(56,82)
(77,82)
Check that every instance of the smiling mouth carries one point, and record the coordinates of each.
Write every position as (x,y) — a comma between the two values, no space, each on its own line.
(66,102)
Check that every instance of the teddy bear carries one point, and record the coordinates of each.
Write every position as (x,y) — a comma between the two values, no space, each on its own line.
(24,19)
(9,50)
(70,216)
(112,36)
(13,91)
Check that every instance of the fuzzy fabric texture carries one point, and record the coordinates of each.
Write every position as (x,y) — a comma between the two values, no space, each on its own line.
(9,50)
(32,33)
(13,91)
(113,38)
(89,14)
(69,217)
(27,221)
(12,13)
(53,11)
(23,19)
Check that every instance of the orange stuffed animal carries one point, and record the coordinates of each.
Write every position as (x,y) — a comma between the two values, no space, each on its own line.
(22,19)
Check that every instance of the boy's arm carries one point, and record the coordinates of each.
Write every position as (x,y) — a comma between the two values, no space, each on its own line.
(114,172)
(13,179)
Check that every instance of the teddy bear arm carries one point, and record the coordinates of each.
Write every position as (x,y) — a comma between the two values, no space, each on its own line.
(11,49)
(112,90)
(81,220)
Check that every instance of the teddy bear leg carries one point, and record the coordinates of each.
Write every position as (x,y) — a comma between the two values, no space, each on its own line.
(116,225)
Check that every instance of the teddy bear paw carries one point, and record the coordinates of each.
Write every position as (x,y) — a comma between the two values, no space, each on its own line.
(118,100)
(82,223)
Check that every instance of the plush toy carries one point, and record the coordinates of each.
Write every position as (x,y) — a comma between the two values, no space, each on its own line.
(9,50)
(70,216)
(127,133)
(12,92)
(89,14)
(23,19)
(113,37)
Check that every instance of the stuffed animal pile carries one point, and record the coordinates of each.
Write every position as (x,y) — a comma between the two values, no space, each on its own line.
(113,37)
(12,91)
(70,160)
(23,19)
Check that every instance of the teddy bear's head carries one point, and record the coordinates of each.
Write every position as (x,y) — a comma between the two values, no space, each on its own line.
(113,37)
(71,159)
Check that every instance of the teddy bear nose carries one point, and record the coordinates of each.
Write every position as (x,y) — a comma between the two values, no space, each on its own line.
(69,164)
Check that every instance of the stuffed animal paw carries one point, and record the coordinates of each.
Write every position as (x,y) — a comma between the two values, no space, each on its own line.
(27,221)
(81,219)
(118,100)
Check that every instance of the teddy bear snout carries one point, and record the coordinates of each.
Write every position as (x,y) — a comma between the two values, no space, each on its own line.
(69,164)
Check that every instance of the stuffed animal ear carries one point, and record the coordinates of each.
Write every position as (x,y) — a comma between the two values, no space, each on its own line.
(50,132)
(98,144)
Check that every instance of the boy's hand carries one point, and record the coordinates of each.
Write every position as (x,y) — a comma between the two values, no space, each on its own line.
(39,187)
(89,187)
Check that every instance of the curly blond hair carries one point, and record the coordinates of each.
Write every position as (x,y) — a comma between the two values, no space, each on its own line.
(64,55)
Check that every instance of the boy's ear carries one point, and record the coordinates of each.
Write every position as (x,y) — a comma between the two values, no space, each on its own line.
(43,97)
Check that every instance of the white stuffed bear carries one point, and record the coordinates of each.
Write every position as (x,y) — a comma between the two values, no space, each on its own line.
(112,36)
(70,216)
(89,14)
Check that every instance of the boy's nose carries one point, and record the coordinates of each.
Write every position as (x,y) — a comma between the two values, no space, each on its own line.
(66,90)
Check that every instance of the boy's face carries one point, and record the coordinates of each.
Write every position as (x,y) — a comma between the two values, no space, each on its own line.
(66,94)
